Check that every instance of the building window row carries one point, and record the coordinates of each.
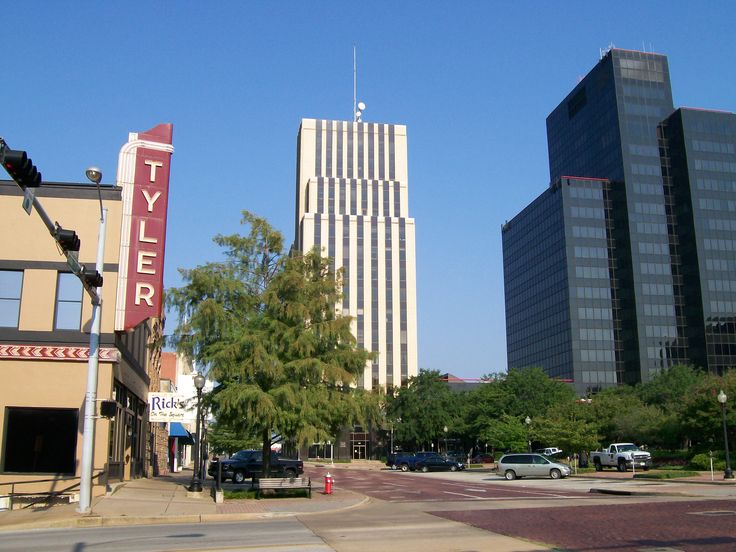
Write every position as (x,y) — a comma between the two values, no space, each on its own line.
(646,169)
(586,193)
(659,269)
(595,355)
(596,334)
(715,185)
(597,272)
(647,188)
(713,147)
(593,292)
(723,225)
(644,151)
(589,232)
(648,248)
(669,332)
(722,285)
(728,307)
(587,212)
(651,228)
(719,245)
(657,289)
(659,310)
(649,208)
(594,313)
(715,165)
(591,252)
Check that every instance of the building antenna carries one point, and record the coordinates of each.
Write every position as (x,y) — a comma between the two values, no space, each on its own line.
(358,107)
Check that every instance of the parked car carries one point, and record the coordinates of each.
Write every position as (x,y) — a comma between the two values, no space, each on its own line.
(483,459)
(406,461)
(549,451)
(516,466)
(239,457)
(438,463)
(249,463)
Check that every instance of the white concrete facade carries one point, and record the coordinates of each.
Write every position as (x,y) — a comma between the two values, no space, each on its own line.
(352,203)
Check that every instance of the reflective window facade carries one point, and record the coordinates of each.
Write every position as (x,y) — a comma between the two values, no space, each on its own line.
(655,241)
(699,164)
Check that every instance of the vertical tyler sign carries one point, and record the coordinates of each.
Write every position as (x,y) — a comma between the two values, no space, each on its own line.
(143,175)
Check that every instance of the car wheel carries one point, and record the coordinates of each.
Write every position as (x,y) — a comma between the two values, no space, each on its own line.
(555,474)
(394,467)
(622,465)
(597,464)
(239,476)
(510,475)
(405,467)
(291,473)
(453,468)
(425,469)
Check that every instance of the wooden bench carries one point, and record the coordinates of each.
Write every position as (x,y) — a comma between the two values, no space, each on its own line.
(283,484)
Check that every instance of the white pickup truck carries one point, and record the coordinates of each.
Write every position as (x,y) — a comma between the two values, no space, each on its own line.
(621,456)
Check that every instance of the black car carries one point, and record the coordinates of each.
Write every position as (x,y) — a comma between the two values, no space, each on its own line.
(240,457)
(437,463)
(249,464)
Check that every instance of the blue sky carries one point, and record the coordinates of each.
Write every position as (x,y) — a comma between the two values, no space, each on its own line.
(473,82)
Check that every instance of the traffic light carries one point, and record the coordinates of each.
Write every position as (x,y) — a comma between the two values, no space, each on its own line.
(21,168)
(68,239)
(91,277)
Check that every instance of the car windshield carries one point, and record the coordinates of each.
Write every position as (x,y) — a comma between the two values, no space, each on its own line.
(624,448)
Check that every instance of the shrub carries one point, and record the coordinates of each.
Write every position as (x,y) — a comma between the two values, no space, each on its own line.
(702,462)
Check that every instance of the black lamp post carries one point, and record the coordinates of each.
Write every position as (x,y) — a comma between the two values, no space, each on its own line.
(722,398)
(196,485)
(446,450)
(528,422)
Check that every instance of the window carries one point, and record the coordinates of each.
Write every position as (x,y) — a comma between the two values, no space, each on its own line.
(11,283)
(68,302)
(40,440)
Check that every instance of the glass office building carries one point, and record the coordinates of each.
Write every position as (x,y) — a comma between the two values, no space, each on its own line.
(699,165)
(618,125)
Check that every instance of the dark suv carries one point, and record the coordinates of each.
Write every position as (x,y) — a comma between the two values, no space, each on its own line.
(249,463)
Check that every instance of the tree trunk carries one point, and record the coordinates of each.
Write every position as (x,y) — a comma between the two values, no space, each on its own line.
(266,452)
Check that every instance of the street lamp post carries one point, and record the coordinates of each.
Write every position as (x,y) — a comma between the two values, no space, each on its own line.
(196,485)
(722,398)
(446,450)
(88,432)
(528,422)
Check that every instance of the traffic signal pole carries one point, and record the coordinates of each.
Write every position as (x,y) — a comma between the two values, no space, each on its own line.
(88,435)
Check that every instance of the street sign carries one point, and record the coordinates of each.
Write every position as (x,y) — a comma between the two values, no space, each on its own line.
(28,200)
(71,260)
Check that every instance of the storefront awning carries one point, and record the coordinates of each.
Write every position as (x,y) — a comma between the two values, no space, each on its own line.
(176,430)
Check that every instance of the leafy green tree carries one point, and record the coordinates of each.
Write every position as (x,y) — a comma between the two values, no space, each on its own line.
(702,412)
(530,392)
(565,425)
(506,433)
(422,409)
(266,326)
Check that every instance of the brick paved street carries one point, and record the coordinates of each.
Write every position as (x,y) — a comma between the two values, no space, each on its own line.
(692,526)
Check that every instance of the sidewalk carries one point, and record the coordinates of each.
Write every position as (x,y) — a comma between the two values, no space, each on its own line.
(164,500)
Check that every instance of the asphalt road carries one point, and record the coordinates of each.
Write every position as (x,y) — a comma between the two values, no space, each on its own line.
(465,511)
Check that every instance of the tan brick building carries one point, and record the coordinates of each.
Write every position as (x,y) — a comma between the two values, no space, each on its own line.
(45,327)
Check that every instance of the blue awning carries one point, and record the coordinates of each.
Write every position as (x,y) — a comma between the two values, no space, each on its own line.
(179,431)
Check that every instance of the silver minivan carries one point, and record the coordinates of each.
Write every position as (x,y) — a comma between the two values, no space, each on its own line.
(515,466)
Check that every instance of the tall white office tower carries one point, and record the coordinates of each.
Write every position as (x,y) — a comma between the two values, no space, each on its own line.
(352,203)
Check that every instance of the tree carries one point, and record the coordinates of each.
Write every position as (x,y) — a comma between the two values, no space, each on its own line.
(422,409)
(267,327)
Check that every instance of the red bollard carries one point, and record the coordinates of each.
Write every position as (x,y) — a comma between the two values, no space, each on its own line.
(328,483)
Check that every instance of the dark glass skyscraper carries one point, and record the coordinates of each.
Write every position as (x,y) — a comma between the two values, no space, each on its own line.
(618,157)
